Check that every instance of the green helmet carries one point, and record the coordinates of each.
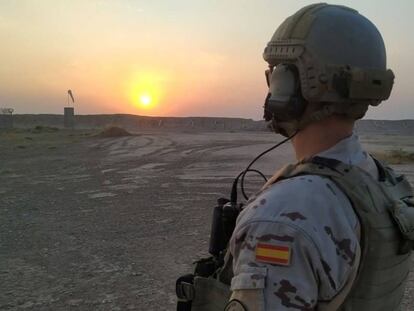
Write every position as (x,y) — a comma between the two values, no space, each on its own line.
(328,58)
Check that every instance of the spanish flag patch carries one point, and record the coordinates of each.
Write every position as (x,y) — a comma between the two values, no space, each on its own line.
(273,254)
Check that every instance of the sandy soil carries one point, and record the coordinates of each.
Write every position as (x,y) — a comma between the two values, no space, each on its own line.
(108,224)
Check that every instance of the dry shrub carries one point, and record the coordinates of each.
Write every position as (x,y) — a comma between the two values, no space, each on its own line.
(114,131)
(396,156)
(44,129)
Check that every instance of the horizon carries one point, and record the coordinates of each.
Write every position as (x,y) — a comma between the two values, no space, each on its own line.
(175,59)
(193,116)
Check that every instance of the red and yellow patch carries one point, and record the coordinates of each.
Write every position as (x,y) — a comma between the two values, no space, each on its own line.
(274,254)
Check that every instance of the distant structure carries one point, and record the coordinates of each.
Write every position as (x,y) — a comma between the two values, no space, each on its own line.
(6,118)
(69,117)
(69,112)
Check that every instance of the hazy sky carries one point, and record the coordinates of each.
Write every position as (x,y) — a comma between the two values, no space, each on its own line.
(181,57)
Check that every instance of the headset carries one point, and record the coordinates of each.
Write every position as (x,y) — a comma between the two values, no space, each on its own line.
(284,102)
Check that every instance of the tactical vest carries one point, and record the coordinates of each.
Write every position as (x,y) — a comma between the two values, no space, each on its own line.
(385,209)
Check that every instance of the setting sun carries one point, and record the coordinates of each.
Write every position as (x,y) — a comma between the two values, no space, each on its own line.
(145,100)
(144,90)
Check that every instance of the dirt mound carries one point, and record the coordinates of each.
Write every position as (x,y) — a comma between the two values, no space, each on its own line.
(44,129)
(396,156)
(114,131)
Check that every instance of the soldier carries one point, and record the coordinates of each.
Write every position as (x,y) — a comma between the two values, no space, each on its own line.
(326,233)
(335,230)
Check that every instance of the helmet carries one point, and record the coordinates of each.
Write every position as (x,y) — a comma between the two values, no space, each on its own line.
(324,60)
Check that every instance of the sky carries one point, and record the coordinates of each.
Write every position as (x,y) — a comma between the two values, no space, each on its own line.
(167,58)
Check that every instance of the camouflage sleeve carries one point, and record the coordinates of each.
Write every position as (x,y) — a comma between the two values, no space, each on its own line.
(293,261)
(280,263)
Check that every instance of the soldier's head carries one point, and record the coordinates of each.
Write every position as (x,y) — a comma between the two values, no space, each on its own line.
(325,62)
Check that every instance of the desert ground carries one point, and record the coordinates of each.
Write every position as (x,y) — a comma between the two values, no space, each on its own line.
(92,223)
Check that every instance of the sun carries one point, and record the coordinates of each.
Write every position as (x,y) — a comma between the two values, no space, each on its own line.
(144,91)
(145,100)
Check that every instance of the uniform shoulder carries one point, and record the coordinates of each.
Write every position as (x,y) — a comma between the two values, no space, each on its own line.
(295,198)
(311,204)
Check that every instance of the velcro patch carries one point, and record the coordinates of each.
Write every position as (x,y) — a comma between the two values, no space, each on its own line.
(273,254)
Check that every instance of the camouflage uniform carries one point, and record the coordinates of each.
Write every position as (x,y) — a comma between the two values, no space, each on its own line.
(320,241)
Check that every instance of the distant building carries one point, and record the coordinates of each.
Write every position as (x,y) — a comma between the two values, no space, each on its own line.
(69,117)
(6,118)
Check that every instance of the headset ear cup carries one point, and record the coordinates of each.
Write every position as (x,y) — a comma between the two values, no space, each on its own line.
(284,102)
(298,105)
(267,113)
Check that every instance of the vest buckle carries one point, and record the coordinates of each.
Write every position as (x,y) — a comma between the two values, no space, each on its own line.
(184,288)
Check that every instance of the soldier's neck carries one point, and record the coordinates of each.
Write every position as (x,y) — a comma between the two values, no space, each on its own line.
(320,136)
